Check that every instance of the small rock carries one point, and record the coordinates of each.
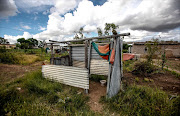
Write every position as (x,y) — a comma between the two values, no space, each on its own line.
(176,59)
(18,88)
(161,87)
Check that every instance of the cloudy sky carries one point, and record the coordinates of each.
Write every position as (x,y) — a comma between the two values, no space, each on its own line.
(60,19)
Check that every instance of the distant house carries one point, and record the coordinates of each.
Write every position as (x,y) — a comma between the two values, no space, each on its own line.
(8,46)
(172,48)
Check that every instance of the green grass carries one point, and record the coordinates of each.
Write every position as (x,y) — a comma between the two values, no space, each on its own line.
(143,101)
(38,96)
(128,65)
(23,57)
(97,78)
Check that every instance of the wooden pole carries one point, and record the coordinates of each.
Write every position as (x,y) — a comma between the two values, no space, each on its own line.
(52,55)
(70,56)
(102,37)
(86,54)
(121,60)
(89,59)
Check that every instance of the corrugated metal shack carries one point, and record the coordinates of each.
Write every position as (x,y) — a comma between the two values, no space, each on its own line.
(83,58)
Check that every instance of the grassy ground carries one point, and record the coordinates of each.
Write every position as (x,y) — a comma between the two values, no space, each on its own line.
(143,101)
(23,57)
(34,95)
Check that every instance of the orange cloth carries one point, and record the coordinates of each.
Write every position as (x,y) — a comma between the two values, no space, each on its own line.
(127,56)
(112,56)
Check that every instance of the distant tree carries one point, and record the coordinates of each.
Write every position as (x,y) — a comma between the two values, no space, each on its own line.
(81,32)
(110,28)
(41,44)
(32,42)
(21,40)
(100,33)
(79,35)
(3,41)
(152,48)
(26,44)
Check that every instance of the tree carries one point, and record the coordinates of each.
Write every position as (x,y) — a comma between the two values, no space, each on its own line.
(81,32)
(78,35)
(152,48)
(3,41)
(41,44)
(110,28)
(26,44)
(32,42)
(100,33)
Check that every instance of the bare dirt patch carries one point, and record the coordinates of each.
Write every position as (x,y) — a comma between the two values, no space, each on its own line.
(9,72)
(95,93)
(167,82)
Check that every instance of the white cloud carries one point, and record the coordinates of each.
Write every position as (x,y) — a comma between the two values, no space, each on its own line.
(62,6)
(7,8)
(13,39)
(46,12)
(34,5)
(141,18)
(25,26)
(42,28)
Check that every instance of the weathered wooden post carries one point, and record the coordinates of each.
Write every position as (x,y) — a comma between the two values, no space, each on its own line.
(52,55)
(86,59)
(70,56)
(121,57)
(86,54)
(89,58)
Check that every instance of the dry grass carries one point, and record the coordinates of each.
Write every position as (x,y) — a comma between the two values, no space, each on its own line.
(28,59)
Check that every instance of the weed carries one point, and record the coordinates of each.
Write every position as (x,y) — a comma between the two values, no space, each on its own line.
(146,80)
(137,79)
(97,78)
(39,96)
(143,68)
(143,101)
(176,74)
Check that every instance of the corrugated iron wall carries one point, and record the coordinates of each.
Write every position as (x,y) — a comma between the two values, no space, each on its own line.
(73,76)
(98,65)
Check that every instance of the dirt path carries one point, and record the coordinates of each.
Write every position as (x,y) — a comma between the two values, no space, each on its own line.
(95,93)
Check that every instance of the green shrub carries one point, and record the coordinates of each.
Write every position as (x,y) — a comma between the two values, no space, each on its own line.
(143,68)
(97,78)
(9,100)
(8,57)
(128,65)
(143,101)
(2,49)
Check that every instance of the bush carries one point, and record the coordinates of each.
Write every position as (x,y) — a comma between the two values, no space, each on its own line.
(97,78)
(143,101)
(143,69)
(10,58)
(128,65)
(2,49)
